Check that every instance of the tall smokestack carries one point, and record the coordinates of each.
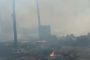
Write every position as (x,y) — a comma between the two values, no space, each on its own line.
(38,12)
(14,27)
(38,16)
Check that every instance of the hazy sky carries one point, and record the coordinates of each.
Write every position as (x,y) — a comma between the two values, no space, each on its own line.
(64,16)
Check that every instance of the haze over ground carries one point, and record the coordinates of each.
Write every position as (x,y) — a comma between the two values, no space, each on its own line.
(64,16)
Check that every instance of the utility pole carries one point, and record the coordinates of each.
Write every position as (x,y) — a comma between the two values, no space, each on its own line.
(14,27)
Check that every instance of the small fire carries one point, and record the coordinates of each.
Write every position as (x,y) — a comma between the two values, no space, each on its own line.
(52,54)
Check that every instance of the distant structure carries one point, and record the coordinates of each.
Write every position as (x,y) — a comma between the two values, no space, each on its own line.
(14,26)
(44,30)
(38,13)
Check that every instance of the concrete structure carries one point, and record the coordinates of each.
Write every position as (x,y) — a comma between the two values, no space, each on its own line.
(44,32)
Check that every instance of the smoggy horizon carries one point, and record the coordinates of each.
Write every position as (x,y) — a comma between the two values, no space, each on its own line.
(64,17)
